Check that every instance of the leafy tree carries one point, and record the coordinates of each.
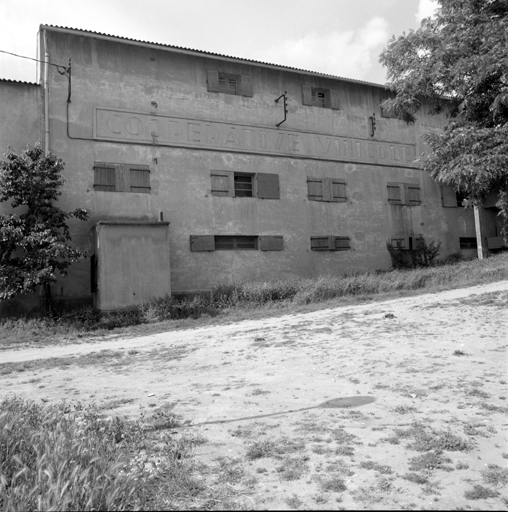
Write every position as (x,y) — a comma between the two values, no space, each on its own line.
(34,243)
(458,62)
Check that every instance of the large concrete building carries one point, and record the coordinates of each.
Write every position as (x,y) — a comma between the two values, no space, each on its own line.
(258,171)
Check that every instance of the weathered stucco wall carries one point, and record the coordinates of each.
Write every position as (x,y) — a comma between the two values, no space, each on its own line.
(151,106)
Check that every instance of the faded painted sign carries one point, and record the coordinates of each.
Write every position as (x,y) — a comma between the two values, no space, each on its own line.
(120,125)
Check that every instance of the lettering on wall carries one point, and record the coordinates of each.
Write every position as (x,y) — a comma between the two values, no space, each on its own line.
(118,125)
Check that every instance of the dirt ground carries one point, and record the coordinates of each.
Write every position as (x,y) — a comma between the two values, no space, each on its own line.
(418,391)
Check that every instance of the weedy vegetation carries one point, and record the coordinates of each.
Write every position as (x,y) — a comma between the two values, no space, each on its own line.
(233,299)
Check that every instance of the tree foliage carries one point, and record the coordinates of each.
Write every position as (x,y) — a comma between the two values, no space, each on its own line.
(34,244)
(458,63)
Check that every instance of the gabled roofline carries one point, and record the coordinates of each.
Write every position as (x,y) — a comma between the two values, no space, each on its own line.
(210,55)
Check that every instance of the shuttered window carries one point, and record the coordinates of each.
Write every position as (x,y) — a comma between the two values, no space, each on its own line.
(318,97)
(140,179)
(206,243)
(330,243)
(326,189)
(400,243)
(114,177)
(404,194)
(227,83)
(236,184)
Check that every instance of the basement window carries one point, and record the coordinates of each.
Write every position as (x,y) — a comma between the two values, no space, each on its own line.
(330,243)
(209,243)
(468,243)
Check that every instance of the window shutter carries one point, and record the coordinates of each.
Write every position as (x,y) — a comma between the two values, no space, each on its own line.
(449,197)
(93,273)
(271,243)
(212,79)
(321,243)
(307,95)
(246,82)
(140,179)
(200,243)
(222,183)
(104,177)
(268,186)
(338,191)
(394,193)
(315,189)
(334,99)
(341,243)
(413,197)
(327,189)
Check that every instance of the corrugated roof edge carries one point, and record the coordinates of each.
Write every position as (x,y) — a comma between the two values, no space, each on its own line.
(18,81)
(211,54)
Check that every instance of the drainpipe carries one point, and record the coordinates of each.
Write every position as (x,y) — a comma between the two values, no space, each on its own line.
(46,93)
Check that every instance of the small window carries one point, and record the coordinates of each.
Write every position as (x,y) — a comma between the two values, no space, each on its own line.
(319,97)
(385,111)
(330,243)
(236,243)
(468,243)
(227,83)
(326,189)
(113,177)
(237,184)
(244,185)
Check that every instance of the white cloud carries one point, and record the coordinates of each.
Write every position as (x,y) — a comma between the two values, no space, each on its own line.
(349,54)
(426,9)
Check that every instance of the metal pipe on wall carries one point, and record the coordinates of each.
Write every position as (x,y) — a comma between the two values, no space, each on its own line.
(46,93)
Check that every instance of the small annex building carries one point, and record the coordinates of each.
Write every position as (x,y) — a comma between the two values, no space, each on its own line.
(200,169)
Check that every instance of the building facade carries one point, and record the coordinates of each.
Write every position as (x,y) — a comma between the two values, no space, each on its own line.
(258,171)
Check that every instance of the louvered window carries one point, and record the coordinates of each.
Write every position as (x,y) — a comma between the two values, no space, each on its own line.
(236,184)
(227,83)
(236,243)
(319,97)
(407,194)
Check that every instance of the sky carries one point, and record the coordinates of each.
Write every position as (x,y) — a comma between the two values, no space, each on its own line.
(338,37)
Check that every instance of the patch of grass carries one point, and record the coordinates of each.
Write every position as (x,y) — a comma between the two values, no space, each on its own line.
(332,484)
(345,451)
(294,502)
(478,492)
(405,409)
(273,448)
(293,468)
(380,468)
(430,461)
(416,478)
(495,475)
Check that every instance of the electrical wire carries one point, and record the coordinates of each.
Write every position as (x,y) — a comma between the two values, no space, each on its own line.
(31,58)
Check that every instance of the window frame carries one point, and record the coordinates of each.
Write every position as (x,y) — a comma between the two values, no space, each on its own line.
(404,195)
(263,185)
(330,243)
(331,97)
(219,81)
(468,242)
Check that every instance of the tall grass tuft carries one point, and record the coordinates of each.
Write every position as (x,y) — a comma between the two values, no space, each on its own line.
(52,460)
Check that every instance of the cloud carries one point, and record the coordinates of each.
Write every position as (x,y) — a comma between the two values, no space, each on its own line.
(426,9)
(349,54)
